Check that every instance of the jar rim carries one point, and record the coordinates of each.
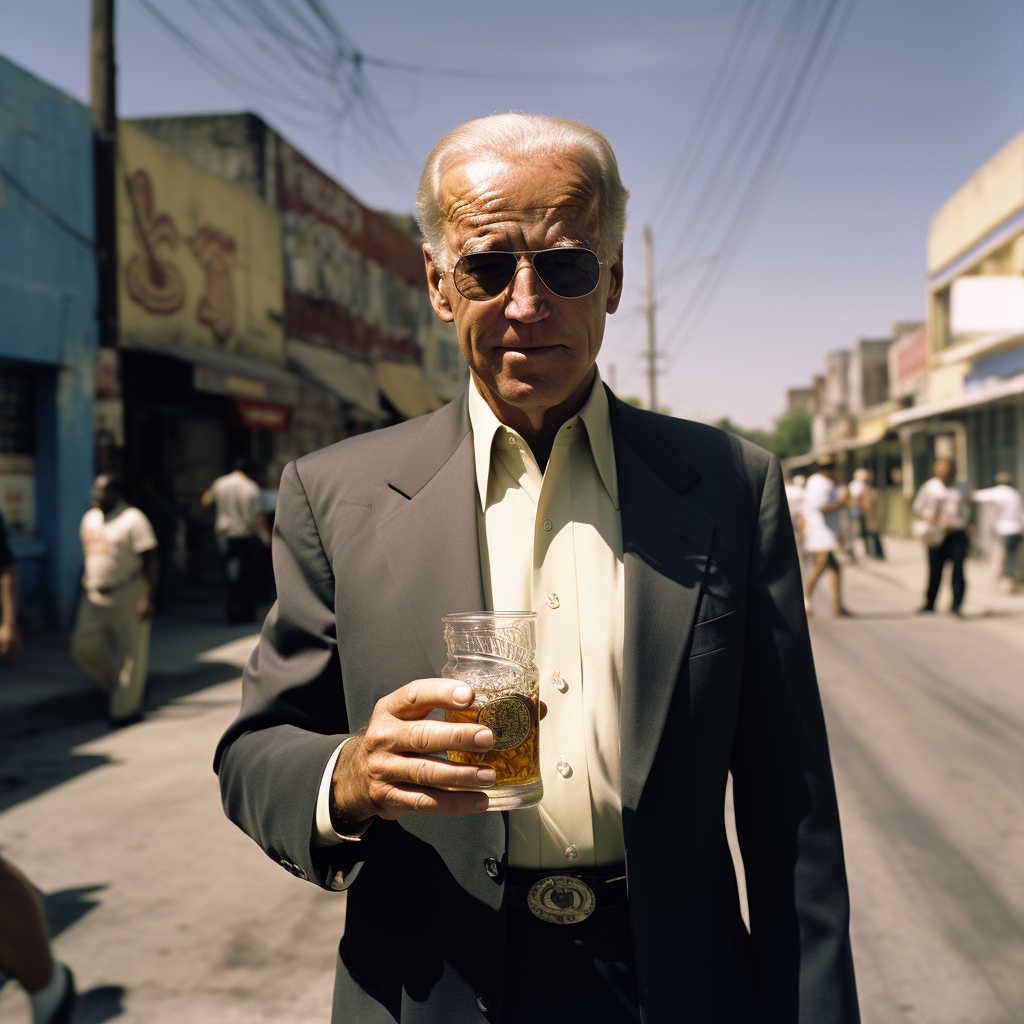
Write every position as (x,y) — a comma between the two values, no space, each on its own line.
(457,617)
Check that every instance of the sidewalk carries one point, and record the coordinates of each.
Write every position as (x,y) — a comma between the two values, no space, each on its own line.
(906,566)
(190,647)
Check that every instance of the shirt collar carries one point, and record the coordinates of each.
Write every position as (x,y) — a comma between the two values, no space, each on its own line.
(596,418)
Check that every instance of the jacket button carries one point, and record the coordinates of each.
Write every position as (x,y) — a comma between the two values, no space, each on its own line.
(483,1004)
(491,867)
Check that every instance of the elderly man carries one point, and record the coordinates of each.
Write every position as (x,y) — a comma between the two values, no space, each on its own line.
(672,647)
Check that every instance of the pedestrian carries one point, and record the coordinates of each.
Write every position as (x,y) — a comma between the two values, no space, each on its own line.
(942,519)
(854,525)
(116,607)
(658,557)
(10,634)
(821,505)
(1009,525)
(867,501)
(241,529)
(25,953)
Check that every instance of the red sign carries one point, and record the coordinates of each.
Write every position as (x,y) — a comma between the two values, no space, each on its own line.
(908,364)
(262,415)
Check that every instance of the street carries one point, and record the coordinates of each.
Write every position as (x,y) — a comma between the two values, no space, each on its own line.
(167,913)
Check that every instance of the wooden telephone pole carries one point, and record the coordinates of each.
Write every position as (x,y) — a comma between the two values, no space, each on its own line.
(651,355)
(103,95)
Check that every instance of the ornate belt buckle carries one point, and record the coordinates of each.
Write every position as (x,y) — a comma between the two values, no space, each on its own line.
(561,899)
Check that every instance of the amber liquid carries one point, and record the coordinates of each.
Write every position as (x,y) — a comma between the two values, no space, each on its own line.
(514,766)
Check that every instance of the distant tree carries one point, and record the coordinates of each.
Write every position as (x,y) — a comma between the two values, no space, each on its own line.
(791,436)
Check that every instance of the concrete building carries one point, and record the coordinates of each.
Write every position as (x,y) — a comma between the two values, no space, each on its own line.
(973,405)
(357,315)
(48,337)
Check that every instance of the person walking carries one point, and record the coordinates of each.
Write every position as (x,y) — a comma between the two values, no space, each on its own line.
(942,519)
(867,503)
(821,505)
(1009,524)
(241,529)
(120,578)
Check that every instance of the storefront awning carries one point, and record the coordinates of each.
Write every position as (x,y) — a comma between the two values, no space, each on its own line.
(352,381)
(227,373)
(981,395)
(406,388)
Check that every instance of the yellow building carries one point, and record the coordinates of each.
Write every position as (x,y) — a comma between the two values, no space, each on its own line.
(974,399)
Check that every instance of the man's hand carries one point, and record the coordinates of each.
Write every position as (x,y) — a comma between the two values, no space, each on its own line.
(144,608)
(387,771)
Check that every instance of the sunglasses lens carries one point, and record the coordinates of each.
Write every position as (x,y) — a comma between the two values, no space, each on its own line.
(570,273)
(482,275)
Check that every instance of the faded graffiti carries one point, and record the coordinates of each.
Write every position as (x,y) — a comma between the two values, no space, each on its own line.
(155,284)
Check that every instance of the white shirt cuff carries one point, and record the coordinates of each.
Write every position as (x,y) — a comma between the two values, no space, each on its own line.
(325,834)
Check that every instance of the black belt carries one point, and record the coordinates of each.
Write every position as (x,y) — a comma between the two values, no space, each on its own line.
(565,897)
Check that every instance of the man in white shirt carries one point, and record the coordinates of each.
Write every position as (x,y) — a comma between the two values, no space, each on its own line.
(241,530)
(1009,523)
(672,648)
(942,517)
(121,570)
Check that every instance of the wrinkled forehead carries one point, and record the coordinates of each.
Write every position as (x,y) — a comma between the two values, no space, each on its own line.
(545,198)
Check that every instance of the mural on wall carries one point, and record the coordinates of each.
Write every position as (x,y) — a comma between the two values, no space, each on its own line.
(155,284)
(200,258)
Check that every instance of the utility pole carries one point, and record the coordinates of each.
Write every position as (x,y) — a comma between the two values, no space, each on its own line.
(103,95)
(651,355)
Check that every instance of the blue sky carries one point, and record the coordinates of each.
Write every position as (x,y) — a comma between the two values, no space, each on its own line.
(918,96)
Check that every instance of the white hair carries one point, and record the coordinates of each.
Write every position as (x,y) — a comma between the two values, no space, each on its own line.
(517,136)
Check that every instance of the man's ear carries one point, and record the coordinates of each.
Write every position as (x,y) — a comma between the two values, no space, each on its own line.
(437,299)
(615,290)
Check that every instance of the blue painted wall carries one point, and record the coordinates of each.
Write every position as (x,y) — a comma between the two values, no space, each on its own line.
(48,299)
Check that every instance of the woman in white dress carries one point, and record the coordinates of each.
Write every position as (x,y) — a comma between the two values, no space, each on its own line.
(821,504)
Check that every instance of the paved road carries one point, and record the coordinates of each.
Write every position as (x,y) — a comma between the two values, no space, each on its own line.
(171,916)
(926,724)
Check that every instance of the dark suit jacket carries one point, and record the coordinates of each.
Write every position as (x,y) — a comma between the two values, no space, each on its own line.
(375,540)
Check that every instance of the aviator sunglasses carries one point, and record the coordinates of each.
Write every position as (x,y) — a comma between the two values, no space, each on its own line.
(567,271)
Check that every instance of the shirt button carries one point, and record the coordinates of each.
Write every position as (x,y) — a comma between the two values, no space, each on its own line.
(558,682)
(483,1004)
(570,852)
(564,768)
(491,867)
(546,524)
(511,440)
(552,600)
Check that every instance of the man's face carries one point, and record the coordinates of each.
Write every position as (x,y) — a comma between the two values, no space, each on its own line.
(943,469)
(528,348)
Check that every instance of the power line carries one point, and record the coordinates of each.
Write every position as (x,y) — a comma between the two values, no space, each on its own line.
(44,208)
(784,134)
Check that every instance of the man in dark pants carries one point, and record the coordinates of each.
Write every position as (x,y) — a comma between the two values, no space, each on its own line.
(672,647)
(942,509)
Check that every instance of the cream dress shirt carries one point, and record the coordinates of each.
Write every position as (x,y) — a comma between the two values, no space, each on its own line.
(551,542)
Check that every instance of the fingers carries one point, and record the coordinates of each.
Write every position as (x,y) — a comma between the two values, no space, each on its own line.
(421,696)
(402,799)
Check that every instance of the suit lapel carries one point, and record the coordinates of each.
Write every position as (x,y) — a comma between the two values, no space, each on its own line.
(432,547)
(430,541)
(666,541)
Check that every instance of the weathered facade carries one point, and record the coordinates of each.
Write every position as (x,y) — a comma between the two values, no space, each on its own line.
(354,282)
(48,336)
